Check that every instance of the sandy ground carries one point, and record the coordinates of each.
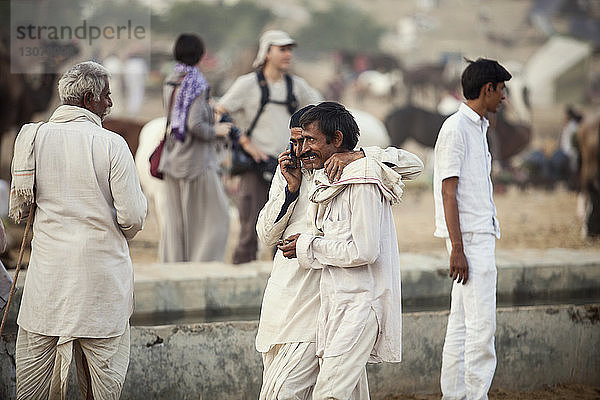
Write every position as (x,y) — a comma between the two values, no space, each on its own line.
(532,218)
(558,392)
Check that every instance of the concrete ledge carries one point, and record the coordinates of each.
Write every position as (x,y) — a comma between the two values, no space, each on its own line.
(536,346)
(217,289)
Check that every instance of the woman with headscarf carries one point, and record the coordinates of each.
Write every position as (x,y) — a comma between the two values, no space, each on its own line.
(196,217)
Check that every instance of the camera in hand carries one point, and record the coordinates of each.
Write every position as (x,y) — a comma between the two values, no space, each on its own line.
(234,132)
(241,161)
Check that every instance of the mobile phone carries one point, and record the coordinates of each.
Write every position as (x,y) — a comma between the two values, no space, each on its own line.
(293,157)
(282,242)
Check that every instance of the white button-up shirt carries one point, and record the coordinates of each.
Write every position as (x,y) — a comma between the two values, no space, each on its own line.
(462,150)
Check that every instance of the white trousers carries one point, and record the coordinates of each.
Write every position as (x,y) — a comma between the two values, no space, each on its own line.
(469,356)
(344,377)
(290,372)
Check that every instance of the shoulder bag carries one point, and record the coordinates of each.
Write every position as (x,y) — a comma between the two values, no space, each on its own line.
(157,153)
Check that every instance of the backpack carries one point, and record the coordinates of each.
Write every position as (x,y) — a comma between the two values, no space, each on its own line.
(291,102)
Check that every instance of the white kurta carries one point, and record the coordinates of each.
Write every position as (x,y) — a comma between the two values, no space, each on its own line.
(291,300)
(359,257)
(89,202)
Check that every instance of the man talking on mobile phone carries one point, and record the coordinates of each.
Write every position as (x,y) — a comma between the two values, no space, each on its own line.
(287,328)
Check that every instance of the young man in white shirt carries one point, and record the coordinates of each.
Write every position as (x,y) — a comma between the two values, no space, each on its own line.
(354,244)
(466,217)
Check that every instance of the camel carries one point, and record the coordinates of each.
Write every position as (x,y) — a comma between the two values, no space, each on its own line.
(413,122)
(588,140)
(505,136)
(420,78)
(128,128)
(23,95)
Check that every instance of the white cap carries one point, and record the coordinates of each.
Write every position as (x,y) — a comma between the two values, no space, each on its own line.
(275,38)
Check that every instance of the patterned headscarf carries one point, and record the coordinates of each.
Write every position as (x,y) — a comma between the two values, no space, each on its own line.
(192,85)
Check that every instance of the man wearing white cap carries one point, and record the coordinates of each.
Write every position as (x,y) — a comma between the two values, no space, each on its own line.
(262,113)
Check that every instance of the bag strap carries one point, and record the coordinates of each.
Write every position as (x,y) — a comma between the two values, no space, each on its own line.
(175,84)
(264,99)
(291,102)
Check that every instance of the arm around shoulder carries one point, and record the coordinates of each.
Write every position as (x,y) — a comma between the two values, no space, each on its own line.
(405,163)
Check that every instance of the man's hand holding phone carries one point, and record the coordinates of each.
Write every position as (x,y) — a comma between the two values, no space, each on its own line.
(290,168)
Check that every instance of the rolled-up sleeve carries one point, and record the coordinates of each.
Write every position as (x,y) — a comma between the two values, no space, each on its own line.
(129,201)
(304,252)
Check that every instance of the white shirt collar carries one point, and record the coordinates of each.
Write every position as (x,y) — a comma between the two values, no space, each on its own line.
(472,115)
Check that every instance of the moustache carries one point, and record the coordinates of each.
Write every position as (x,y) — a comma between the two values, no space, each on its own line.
(308,154)
(106,112)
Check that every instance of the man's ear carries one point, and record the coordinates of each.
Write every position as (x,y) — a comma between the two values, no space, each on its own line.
(88,98)
(489,88)
(338,138)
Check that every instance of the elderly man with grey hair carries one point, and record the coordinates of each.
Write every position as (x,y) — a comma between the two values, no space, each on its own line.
(78,293)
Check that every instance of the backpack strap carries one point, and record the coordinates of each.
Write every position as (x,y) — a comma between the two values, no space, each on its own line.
(264,99)
(291,102)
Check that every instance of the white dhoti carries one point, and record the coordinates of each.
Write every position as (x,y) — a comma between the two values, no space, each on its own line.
(43,365)
(290,372)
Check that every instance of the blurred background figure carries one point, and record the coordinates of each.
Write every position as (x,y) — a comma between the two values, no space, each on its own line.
(564,163)
(135,72)
(114,65)
(557,161)
(265,132)
(196,217)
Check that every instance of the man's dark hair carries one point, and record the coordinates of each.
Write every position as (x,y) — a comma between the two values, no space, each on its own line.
(480,72)
(189,49)
(331,117)
(295,118)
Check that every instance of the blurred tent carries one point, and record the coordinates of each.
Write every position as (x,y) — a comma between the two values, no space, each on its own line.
(579,19)
(557,72)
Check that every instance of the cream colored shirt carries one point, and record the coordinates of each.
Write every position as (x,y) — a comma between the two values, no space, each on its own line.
(89,202)
(271,133)
(360,262)
(291,300)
